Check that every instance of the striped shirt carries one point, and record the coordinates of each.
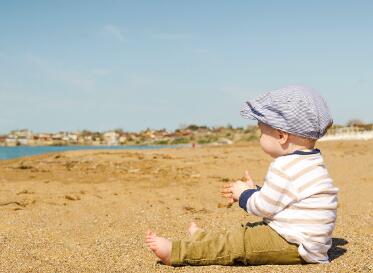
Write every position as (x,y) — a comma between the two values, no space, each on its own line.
(298,200)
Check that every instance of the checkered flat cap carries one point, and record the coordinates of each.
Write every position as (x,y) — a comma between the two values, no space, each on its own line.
(294,109)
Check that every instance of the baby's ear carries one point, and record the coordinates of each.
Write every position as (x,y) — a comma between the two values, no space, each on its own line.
(282,136)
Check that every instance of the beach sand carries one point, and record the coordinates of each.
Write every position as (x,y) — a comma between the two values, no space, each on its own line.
(88,211)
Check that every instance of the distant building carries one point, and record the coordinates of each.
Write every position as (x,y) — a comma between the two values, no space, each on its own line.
(24,133)
(10,141)
(111,138)
(72,138)
(2,139)
(87,140)
(44,137)
(19,137)
(58,137)
(23,141)
(122,139)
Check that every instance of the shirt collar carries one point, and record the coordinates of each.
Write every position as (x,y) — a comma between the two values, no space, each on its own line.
(305,152)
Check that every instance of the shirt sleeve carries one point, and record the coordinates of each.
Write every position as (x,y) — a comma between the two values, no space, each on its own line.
(276,194)
(244,197)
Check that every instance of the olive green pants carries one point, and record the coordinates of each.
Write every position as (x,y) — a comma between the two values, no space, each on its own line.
(253,244)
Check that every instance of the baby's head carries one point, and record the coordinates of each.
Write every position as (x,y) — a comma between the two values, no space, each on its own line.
(290,118)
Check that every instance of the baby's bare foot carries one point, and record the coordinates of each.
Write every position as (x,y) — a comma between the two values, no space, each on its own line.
(160,246)
(193,228)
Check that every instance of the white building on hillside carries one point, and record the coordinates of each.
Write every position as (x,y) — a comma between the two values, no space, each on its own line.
(111,138)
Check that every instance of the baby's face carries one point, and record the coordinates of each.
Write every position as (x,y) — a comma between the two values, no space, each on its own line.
(269,140)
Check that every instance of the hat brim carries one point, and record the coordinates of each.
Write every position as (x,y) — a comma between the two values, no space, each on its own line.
(248,111)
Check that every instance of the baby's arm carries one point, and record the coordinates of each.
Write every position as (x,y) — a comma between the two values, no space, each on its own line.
(275,195)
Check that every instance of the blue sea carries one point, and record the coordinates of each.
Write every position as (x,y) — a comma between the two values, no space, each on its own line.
(21,151)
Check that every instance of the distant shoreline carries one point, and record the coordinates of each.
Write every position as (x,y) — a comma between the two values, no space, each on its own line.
(24,151)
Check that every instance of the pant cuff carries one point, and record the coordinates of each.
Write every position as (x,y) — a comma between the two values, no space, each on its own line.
(175,254)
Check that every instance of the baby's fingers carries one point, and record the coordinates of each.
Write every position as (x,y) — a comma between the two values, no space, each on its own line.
(247,176)
(230,201)
(226,188)
(226,192)
(227,195)
(228,185)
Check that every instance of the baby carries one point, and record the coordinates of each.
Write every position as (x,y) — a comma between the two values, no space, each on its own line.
(297,202)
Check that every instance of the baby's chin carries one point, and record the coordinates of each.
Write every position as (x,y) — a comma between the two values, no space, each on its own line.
(271,153)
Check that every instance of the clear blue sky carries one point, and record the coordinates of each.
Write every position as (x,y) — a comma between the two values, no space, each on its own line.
(99,65)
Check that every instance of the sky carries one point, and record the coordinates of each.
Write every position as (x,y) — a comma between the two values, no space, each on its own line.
(101,65)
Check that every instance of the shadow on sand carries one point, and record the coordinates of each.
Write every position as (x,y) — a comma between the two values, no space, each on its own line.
(336,250)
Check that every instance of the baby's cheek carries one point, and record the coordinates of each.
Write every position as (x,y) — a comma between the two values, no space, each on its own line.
(262,143)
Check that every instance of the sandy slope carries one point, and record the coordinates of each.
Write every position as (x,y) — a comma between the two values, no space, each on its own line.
(88,211)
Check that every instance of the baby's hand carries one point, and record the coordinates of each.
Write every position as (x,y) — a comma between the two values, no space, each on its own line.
(249,181)
(232,191)
(238,188)
(226,192)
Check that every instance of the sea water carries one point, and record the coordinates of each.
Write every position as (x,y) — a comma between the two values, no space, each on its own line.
(21,151)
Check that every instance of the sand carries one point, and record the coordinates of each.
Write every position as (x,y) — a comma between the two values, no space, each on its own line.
(87,211)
